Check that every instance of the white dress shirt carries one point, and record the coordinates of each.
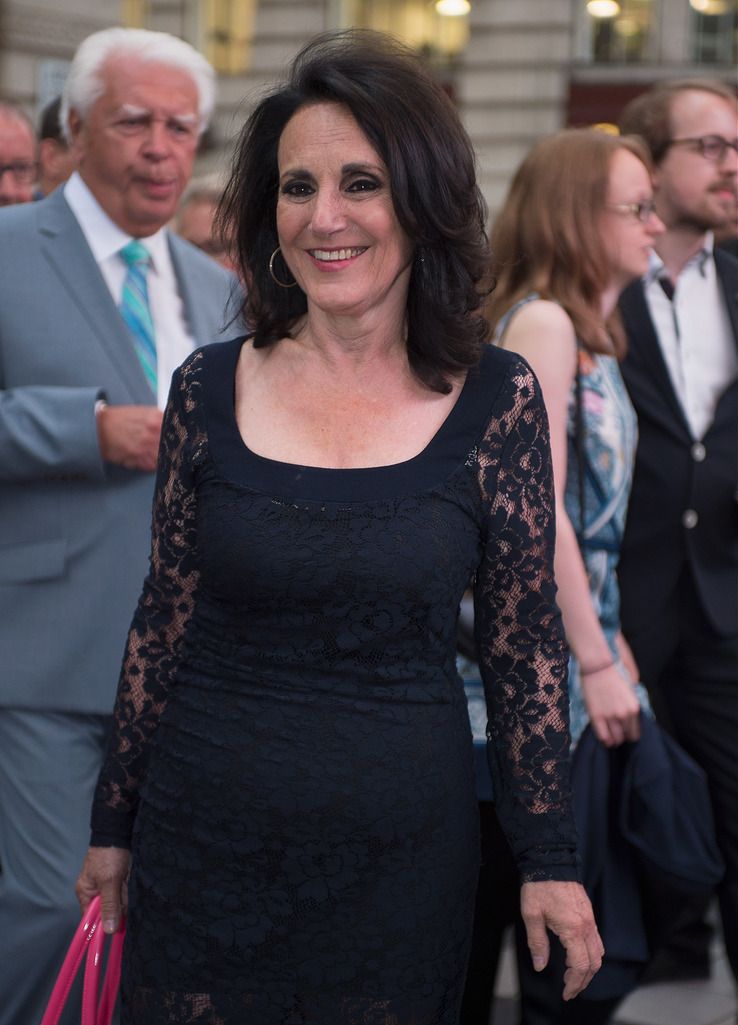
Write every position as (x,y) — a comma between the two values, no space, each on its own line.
(695,335)
(173,339)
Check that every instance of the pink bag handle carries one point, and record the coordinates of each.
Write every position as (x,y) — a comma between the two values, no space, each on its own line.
(89,940)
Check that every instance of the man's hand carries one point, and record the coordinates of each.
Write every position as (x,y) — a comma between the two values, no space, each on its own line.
(129,435)
(564,908)
(105,871)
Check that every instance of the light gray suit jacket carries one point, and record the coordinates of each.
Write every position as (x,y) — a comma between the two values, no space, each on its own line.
(74,531)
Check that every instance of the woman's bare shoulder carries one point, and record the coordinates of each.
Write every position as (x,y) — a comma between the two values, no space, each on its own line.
(542,316)
(542,332)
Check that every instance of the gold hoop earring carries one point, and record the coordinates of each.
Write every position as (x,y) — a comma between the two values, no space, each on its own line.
(274,277)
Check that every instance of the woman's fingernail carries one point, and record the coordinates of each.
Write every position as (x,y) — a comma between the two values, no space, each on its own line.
(109,925)
(539,963)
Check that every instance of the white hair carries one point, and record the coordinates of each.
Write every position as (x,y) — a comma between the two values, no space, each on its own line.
(85,85)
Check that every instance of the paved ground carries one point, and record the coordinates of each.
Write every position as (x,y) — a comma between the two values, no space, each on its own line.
(712,1002)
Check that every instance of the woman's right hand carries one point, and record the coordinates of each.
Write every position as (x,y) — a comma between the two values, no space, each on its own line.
(105,872)
(612,705)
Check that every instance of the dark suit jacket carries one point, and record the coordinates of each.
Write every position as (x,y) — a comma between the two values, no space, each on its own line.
(673,475)
(74,531)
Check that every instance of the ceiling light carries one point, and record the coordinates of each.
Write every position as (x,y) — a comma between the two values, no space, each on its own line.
(603,8)
(453,8)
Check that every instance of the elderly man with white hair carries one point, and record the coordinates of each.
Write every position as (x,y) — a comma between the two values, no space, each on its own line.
(99,303)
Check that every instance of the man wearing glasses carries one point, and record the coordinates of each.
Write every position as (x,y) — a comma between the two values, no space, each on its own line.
(679,558)
(17,156)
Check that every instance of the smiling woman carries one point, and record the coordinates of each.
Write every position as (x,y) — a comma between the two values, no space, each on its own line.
(414,155)
(337,226)
(292,752)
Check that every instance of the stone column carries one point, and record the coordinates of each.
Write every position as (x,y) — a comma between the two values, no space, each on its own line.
(512,82)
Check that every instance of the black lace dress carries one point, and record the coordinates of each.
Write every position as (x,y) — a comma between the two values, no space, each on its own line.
(292,759)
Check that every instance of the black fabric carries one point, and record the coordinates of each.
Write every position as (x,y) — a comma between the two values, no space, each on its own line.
(678,586)
(665,813)
(729,245)
(693,672)
(644,823)
(496,907)
(667,286)
(292,737)
(643,814)
(542,1002)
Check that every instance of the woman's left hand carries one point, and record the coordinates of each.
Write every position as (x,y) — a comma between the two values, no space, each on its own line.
(612,706)
(626,656)
(564,908)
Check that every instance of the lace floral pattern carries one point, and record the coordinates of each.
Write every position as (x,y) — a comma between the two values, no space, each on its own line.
(292,761)
(519,637)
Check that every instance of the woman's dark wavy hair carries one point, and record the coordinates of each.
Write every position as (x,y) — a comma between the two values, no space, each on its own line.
(417,132)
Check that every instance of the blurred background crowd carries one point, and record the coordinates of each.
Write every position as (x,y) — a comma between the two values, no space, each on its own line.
(517,71)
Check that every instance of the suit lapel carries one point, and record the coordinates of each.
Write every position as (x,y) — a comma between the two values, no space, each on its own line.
(644,363)
(65,247)
(193,316)
(195,312)
(206,320)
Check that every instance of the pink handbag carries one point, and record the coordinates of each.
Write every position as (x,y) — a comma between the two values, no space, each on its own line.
(89,939)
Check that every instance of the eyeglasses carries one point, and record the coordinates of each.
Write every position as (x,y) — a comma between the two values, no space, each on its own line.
(711,147)
(21,170)
(642,211)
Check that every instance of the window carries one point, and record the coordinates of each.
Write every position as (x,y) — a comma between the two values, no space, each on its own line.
(437,37)
(626,37)
(228,28)
(714,31)
(135,13)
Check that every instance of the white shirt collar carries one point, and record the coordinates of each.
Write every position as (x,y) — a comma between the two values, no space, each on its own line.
(700,258)
(103,235)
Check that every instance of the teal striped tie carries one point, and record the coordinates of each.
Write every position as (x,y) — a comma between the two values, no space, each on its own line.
(134,307)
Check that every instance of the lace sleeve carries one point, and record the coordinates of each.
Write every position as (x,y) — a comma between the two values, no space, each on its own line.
(523,654)
(158,629)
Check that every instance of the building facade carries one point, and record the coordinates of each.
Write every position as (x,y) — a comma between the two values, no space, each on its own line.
(517,68)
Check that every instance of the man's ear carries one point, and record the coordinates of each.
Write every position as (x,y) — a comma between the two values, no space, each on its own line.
(76,126)
(47,152)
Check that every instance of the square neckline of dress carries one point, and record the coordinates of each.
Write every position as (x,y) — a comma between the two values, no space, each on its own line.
(338,469)
(449,447)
